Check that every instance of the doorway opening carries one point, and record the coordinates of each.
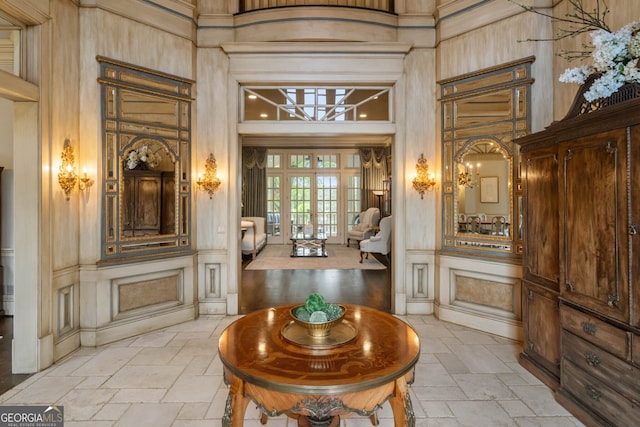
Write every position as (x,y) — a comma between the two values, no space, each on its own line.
(318,189)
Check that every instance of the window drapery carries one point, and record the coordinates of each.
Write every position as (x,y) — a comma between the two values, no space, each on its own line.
(374,172)
(254,182)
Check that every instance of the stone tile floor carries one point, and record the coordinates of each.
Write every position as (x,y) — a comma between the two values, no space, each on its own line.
(173,377)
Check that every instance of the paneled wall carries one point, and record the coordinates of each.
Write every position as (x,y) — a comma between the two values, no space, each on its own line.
(72,291)
(120,299)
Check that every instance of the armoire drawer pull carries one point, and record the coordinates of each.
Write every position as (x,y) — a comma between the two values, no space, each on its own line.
(593,392)
(592,359)
(589,328)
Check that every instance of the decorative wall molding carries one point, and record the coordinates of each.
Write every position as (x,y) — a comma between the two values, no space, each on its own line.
(212,280)
(145,294)
(27,12)
(173,16)
(481,294)
(420,279)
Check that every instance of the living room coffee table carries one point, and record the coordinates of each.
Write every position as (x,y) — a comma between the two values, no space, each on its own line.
(308,245)
(320,381)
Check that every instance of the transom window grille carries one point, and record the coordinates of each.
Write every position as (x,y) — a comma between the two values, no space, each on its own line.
(273,161)
(10,47)
(302,161)
(327,161)
(353,161)
(313,104)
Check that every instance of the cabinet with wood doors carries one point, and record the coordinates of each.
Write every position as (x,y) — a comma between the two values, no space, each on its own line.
(148,203)
(541,264)
(1,269)
(581,262)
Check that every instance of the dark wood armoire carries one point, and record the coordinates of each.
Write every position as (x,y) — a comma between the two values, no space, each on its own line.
(581,266)
(148,203)
(1,269)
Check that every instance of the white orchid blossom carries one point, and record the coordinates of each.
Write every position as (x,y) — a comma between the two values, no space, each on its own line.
(615,61)
(143,154)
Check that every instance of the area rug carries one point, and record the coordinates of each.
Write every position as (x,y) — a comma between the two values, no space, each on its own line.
(278,257)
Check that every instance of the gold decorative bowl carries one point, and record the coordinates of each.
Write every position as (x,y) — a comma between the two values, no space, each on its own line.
(318,329)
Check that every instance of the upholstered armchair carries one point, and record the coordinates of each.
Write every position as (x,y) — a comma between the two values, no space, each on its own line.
(364,229)
(380,243)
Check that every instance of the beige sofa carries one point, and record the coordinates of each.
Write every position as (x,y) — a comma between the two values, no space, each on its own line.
(254,235)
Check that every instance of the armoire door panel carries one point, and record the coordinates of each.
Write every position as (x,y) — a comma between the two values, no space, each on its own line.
(168,208)
(542,333)
(148,204)
(594,205)
(634,224)
(541,220)
(141,206)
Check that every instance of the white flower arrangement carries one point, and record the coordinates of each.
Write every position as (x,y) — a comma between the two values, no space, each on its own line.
(615,60)
(142,154)
(615,54)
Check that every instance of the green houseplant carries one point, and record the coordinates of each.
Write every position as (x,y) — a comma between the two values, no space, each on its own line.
(318,316)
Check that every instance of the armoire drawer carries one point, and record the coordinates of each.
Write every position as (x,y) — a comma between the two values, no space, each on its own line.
(594,330)
(596,396)
(612,371)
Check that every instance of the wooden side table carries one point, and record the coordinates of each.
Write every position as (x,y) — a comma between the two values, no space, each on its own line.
(318,384)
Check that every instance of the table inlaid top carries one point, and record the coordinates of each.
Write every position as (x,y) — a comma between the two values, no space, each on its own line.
(383,349)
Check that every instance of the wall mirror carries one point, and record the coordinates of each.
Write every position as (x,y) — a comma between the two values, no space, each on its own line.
(148,189)
(146,161)
(483,201)
(482,113)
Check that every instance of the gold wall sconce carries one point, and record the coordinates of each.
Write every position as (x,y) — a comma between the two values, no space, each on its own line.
(465,177)
(423,181)
(67,177)
(210,181)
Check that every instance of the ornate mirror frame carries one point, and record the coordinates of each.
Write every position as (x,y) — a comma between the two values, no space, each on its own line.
(481,114)
(146,152)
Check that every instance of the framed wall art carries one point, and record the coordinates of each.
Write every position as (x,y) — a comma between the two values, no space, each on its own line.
(489,189)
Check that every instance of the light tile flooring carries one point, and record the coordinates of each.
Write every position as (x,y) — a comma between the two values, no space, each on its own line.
(173,377)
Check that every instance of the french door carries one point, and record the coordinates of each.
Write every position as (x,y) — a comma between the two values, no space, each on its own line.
(314,198)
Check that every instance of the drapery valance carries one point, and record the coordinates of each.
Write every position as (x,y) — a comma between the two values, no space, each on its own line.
(254,181)
(254,158)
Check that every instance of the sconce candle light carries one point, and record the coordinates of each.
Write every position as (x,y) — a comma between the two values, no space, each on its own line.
(67,177)
(209,182)
(424,181)
(85,181)
(465,178)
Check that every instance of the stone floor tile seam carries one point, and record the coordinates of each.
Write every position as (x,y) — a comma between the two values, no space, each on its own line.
(210,367)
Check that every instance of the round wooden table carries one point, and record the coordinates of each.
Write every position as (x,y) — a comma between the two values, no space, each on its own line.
(316,380)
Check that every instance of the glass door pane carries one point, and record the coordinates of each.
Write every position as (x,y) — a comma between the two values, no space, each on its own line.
(274,217)
(300,208)
(353,200)
(327,197)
